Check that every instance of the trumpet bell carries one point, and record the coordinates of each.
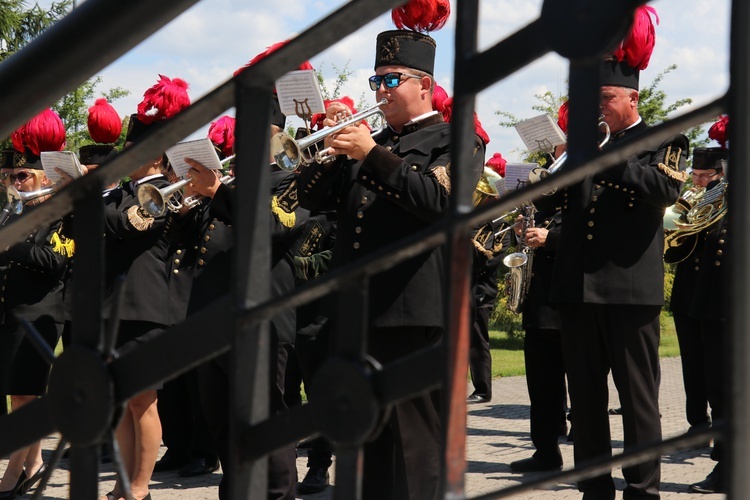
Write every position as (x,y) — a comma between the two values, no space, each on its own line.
(151,199)
(516,259)
(486,187)
(285,151)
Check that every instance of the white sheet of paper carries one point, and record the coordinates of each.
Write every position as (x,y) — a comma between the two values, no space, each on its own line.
(517,175)
(201,150)
(540,133)
(66,161)
(299,93)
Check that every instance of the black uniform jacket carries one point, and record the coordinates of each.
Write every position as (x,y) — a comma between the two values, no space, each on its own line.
(612,238)
(31,275)
(137,245)
(400,188)
(208,255)
(538,311)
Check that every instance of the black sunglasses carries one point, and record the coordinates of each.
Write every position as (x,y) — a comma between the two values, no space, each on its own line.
(391,80)
(20,176)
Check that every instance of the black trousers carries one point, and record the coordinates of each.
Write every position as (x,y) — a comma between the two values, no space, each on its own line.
(185,430)
(213,379)
(597,338)
(403,461)
(692,356)
(713,334)
(480,360)
(545,379)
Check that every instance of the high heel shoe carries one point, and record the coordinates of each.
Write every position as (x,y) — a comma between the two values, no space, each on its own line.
(30,482)
(11,494)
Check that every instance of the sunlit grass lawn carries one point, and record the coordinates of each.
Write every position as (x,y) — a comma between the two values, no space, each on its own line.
(507,352)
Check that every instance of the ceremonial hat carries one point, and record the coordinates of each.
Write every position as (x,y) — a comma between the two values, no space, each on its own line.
(409,45)
(96,154)
(221,134)
(162,101)
(709,158)
(44,132)
(622,68)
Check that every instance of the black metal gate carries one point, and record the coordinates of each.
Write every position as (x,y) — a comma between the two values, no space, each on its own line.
(86,388)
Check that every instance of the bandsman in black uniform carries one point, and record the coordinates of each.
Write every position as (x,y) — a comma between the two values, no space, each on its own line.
(699,298)
(394,185)
(608,279)
(31,274)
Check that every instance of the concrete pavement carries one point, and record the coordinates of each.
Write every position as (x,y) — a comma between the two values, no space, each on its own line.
(497,434)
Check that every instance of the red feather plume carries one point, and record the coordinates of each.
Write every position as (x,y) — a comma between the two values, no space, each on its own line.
(104,123)
(497,163)
(17,138)
(562,117)
(439,96)
(638,46)
(273,48)
(478,129)
(221,133)
(164,100)
(422,15)
(44,132)
(718,131)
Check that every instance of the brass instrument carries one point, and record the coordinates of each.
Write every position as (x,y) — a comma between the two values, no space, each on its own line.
(695,210)
(18,199)
(156,201)
(192,201)
(486,187)
(290,154)
(518,278)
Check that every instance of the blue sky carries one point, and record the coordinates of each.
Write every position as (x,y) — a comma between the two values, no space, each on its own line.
(212,39)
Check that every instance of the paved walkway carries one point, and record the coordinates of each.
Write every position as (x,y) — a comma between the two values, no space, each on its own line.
(497,435)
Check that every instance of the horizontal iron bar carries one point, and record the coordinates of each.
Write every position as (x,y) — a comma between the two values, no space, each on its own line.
(25,425)
(290,426)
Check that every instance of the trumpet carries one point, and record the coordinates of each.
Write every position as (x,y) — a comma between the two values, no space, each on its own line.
(157,201)
(290,154)
(192,201)
(17,199)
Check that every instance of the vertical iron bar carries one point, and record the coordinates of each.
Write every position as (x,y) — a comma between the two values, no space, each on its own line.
(84,472)
(738,437)
(250,365)
(350,343)
(583,91)
(458,257)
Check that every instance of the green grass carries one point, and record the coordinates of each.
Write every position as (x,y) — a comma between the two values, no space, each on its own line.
(507,351)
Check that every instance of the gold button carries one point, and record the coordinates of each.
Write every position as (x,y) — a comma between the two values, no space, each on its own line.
(356,245)
(179,252)
(364,177)
(719,252)
(609,184)
(592,210)
(718,263)
(203,250)
(397,197)
(630,205)
(590,223)
(207,238)
(372,183)
(364,200)
(388,148)
(617,186)
(589,236)
(380,188)
(388,193)
(594,198)
(201,262)
(697,268)
(358,230)
(414,168)
(697,259)
(176,271)
(723,231)
(177,261)
(360,215)
(721,242)
(211,227)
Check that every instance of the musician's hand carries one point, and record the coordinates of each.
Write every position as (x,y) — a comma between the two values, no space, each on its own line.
(64,180)
(204,180)
(536,237)
(354,141)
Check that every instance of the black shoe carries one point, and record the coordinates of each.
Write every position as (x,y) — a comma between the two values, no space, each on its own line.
(306,444)
(531,464)
(199,467)
(316,480)
(10,495)
(476,398)
(563,430)
(30,482)
(169,462)
(712,484)
(615,411)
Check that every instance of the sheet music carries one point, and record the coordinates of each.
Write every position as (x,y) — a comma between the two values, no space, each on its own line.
(66,161)
(201,150)
(299,92)
(540,133)
(517,175)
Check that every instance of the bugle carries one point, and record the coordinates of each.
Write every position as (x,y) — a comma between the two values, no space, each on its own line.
(290,154)
(157,201)
(18,199)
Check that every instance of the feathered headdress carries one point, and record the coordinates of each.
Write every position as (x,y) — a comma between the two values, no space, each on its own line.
(634,52)
(718,131)
(44,132)
(562,117)
(478,129)
(104,124)
(497,163)
(269,50)
(439,96)
(221,133)
(164,100)
(422,15)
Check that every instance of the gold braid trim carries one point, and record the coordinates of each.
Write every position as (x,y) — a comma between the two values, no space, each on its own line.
(62,245)
(140,219)
(674,174)
(287,219)
(483,250)
(441,174)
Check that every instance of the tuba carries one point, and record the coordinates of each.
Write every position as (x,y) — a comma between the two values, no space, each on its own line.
(695,210)
(518,278)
